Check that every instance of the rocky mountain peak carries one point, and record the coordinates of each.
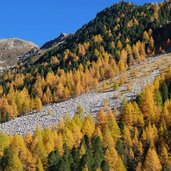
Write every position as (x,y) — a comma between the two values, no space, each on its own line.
(55,42)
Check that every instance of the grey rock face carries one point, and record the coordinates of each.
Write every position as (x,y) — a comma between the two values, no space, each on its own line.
(11,49)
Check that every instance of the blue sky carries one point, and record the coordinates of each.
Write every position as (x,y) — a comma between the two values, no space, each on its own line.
(43,20)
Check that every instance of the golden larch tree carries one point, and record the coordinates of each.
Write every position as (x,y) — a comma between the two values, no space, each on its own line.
(152,162)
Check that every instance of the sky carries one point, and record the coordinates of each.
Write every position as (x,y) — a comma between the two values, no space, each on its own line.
(42,20)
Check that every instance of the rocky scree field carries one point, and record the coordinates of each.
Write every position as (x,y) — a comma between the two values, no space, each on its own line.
(138,76)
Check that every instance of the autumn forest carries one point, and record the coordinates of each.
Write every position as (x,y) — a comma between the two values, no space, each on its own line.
(136,136)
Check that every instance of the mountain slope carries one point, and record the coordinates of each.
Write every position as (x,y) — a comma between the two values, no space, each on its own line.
(12,49)
(107,62)
(119,37)
(92,102)
(35,53)
(119,22)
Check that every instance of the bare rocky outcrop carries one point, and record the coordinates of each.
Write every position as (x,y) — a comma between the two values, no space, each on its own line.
(11,49)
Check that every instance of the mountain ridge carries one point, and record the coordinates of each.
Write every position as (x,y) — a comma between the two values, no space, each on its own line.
(54,42)
(14,50)
(34,54)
